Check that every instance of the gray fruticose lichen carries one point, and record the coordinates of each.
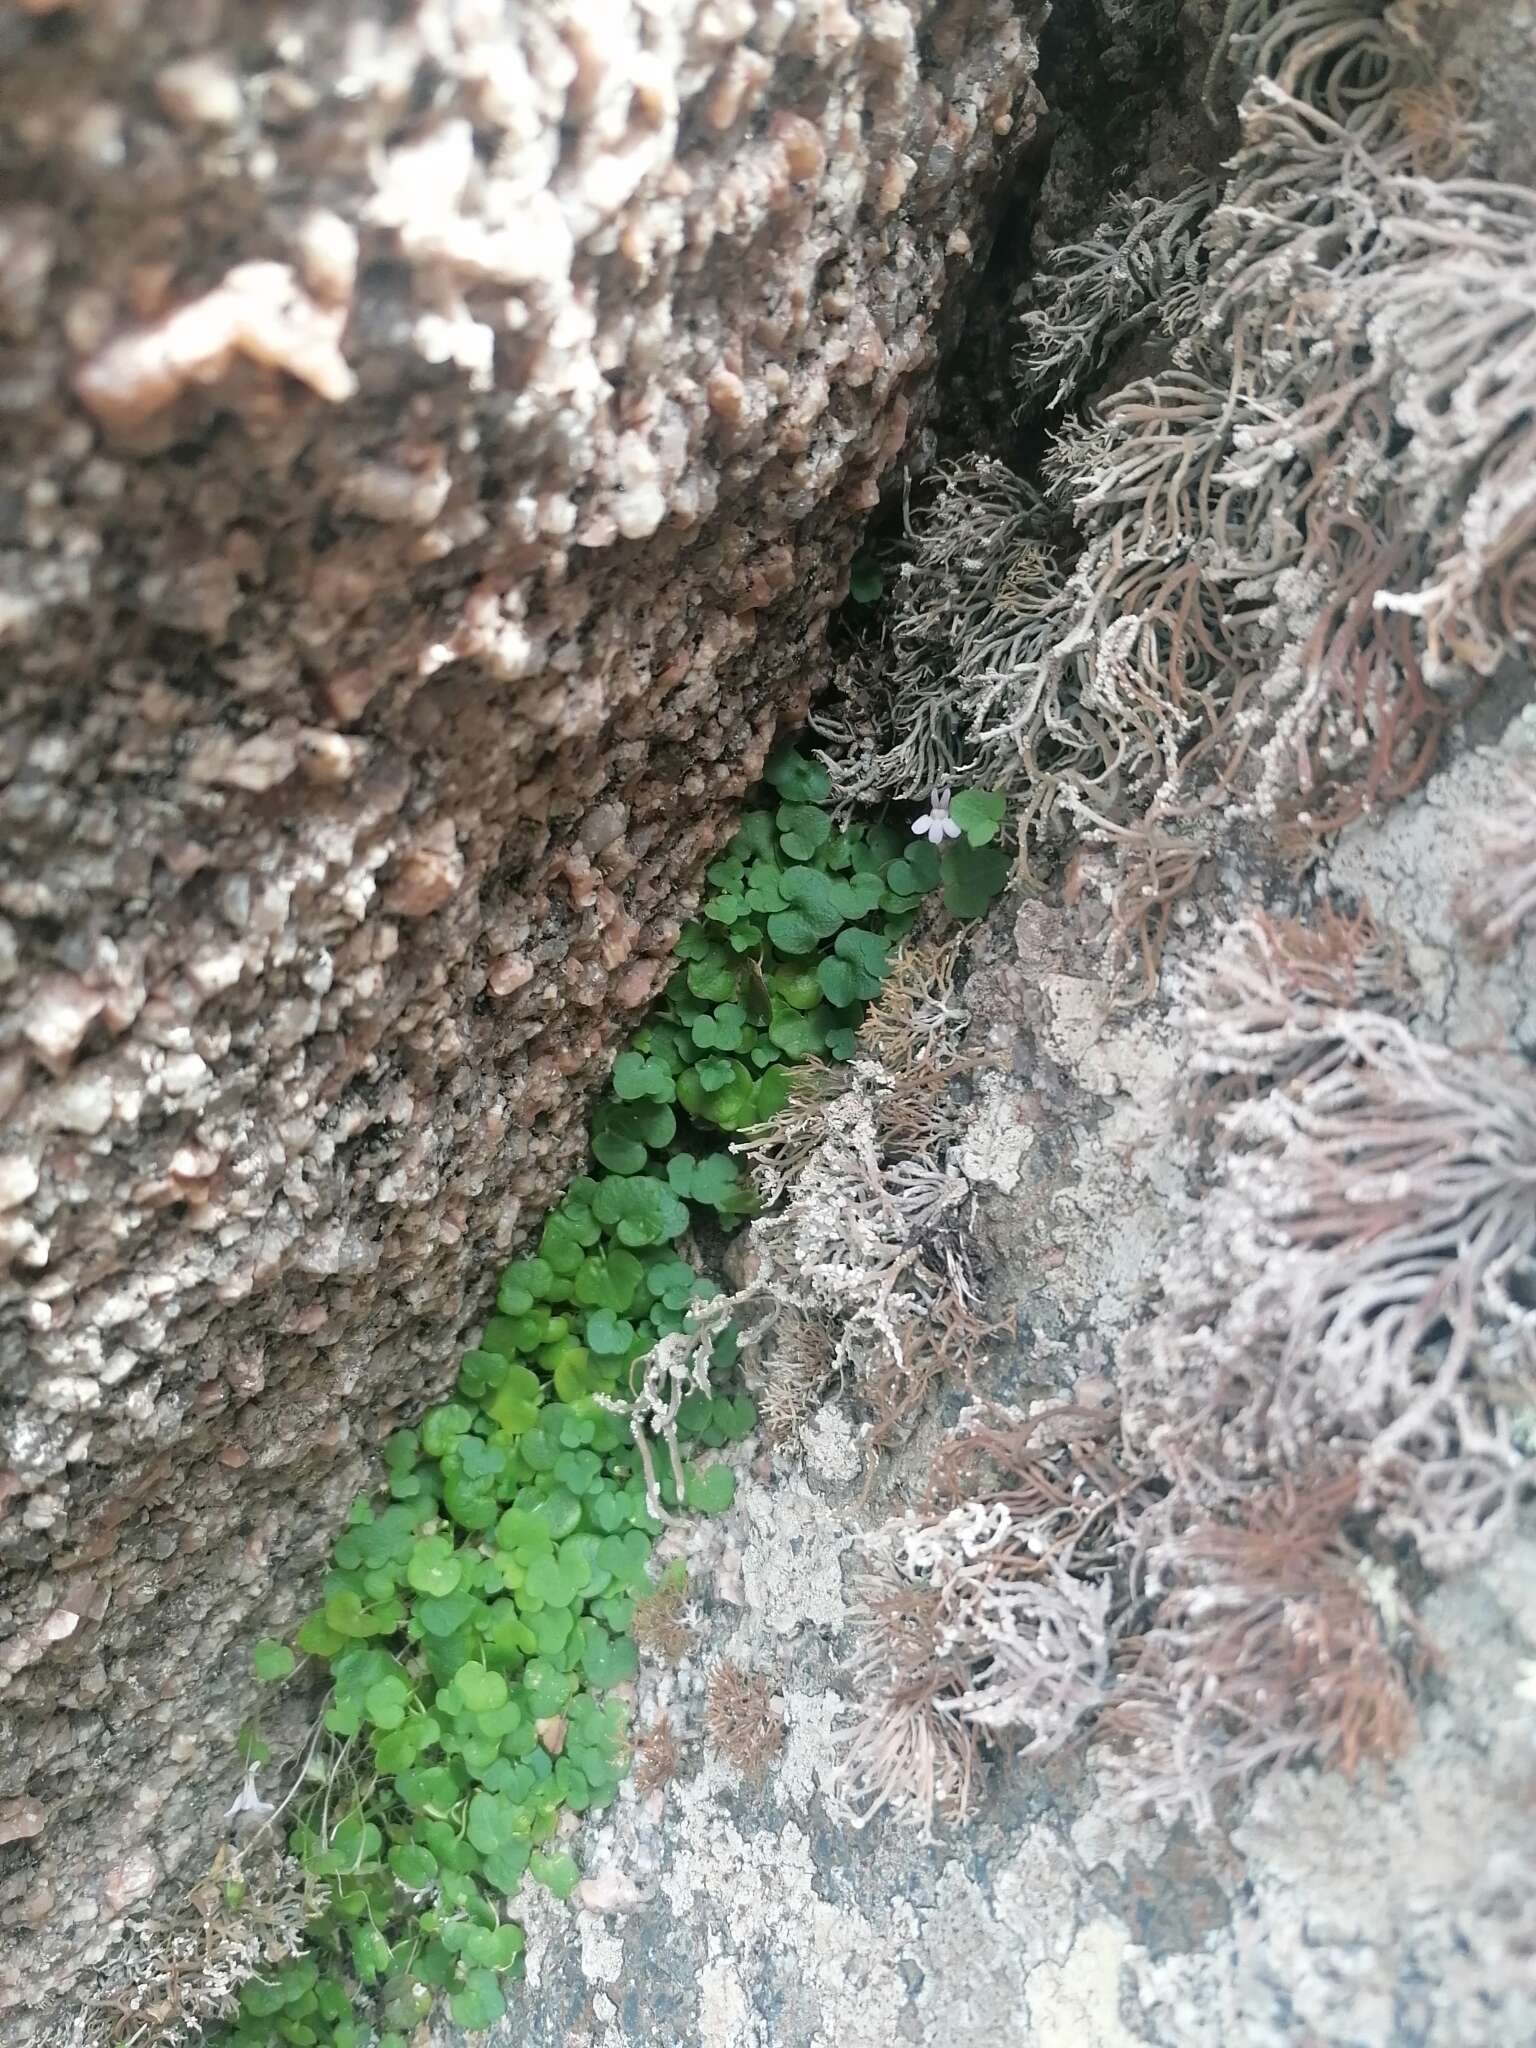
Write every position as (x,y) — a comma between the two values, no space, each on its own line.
(1257,584)
(1250,595)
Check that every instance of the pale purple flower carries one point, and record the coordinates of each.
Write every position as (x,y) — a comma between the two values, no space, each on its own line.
(249,1802)
(937,825)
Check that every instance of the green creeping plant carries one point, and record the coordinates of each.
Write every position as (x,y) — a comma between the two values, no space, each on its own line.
(866,583)
(481,1602)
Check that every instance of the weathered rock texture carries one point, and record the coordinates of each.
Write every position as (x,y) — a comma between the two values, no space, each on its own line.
(435,438)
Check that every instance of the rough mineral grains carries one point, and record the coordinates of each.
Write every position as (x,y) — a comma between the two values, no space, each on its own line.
(435,437)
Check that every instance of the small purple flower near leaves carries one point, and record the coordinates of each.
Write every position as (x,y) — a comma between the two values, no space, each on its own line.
(936,825)
(249,1808)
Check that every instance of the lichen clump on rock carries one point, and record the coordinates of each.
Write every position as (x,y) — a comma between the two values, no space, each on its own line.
(1260,584)
(1256,585)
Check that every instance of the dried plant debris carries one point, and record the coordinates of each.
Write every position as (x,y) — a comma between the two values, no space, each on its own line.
(1258,584)
(743,1720)
(1342,1364)
(1361,1277)
(908,1751)
(1264,1646)
(861,1268)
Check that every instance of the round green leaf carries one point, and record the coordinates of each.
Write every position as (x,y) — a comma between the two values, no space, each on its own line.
(978,813)
(442,1427)
(841,983)
(636,1076)
(545,1689)
(798,987)
(491,1821)
(791,931)
(415,1866)
(797,779)
(558,1872)
(480,2004)
(973,876)
(796,1032)
(608,1335)
(618,1153)
(605,1660)
(385,1702)
(433,1568)
(709,1490)
(272,1660)
(481,1690)
(494,1948)
(548,1579)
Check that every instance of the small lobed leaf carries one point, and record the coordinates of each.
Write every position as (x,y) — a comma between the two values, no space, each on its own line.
(638,1077)
(978,813)
(442,1427)
(710,1489)
(973,877)
(916,872)
(797,1034)
(494,1948)
(791,931)
(433,1567)
(841,983)
(865,950)
(479,2004)
(640,1210)
(797,779)
(617,1152)
(605,1659)
(803,829)
(415,1866)
(385,1701)
(481,1690)
(716,1178)
(558,1872)
(272,1660)
(796,986)
(608,1335)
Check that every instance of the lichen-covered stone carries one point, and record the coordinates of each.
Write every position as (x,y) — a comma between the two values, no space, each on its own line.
(1388,1909)
(435,439)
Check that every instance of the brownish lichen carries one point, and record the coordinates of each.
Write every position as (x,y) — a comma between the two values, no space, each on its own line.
(658,1755)
(1499,904)
(181,1965)
(907,1751)
(661,1626)
(743,1721)
(1264,1648)
(1199,1564)
(864,1271)
(1259,1011)
(995,1615)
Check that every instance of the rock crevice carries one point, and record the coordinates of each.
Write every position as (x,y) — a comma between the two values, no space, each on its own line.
(438,438)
